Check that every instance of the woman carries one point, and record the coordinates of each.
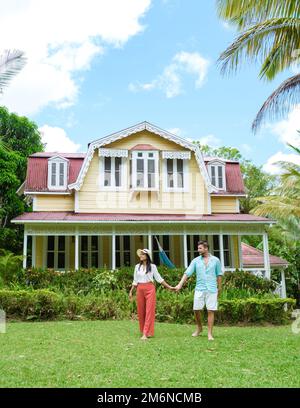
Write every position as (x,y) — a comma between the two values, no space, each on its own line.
(144,274)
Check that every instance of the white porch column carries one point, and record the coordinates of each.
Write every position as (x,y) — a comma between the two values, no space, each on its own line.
(185,254)
(33,251)
(150,244)
(266,256)
(25,250)
(240,252)
(113,251)
(283,286)
(76,251)
(221,245)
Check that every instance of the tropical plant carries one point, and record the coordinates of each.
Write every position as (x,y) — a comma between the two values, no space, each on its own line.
(11,62)
(270,32)
(9,265)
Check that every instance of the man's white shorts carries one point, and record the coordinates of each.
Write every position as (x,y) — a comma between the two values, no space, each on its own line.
(208,299)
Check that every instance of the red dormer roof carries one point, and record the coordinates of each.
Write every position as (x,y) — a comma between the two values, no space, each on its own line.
(144,147)
(253,257)
(37,169)
(234,179)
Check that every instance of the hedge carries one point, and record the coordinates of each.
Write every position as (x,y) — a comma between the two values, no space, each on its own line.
(43,304)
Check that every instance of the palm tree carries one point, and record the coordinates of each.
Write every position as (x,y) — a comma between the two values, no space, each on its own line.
(284,201)
(270,32)
(11,62)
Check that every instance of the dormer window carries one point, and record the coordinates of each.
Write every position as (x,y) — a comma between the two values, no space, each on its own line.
(216,171)
(57,173)
(113,175)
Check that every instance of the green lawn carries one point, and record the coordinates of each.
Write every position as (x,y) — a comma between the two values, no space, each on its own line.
(110,354)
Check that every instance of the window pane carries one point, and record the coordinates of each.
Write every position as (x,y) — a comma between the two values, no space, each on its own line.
(84,260)
(84,243)
(118,242)
(127,258)
(170,174)
(53,174)
(226,241)
(107,171)
(94,260)
(216,242)
(220,176)
(118,259)
(94,243)
(179,173)
(213,175)
(50,260)
(51,243)
(179,165)
(151,166)
(126,241)
(61,243)
(140,173)
(226,258)
(118,161)
(61,260)
(61,174)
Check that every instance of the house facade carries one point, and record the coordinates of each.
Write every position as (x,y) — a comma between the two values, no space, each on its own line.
(130,189)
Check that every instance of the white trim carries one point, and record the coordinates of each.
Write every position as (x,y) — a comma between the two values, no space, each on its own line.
(283,285)
(145,157)
(135,129)
(48,192)
(240,252)
(237,203)
(45,244)
(76,263)
(56,251)
(208,203)
(113,251)
(20,190)
(34,203)
(175,154)
(228,195)
(112,153)
(150,247)
(175,189)
(76,201)
(185,252)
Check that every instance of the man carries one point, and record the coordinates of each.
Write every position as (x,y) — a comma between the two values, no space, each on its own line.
(208,286)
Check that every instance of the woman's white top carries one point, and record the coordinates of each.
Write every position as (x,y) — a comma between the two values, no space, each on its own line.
(140,275)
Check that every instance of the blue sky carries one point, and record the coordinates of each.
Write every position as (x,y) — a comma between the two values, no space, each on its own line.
(153,61)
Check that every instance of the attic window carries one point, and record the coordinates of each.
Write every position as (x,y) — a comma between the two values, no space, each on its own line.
(57,173)
(216,171)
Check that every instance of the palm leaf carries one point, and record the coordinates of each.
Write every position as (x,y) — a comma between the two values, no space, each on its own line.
(11,62)
(280,102)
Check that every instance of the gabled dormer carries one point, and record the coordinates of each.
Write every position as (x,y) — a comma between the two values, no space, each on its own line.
(217,173)
(58,167)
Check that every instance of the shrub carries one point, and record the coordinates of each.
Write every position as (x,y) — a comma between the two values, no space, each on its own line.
(43,304)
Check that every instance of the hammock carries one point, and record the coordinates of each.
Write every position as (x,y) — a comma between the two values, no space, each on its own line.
(163,256)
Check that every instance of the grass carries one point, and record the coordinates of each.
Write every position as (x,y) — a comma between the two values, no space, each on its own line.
(110,354)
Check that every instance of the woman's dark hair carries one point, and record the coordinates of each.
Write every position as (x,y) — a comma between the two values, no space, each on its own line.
(148,264)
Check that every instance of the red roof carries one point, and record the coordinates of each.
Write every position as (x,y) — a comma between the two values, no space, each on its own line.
(37,169)
(69,216)
(144,147)
(253,257)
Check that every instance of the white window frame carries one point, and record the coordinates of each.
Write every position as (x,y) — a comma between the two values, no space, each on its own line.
(56,252)
(89,251)
(175,189)
(216,164)
(57,161)
(121,250)
(145,157)
(113,187)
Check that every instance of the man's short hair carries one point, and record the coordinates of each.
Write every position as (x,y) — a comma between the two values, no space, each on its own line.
(204,243)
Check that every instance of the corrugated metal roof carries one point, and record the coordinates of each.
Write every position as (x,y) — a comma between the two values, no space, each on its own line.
(253,257)
(74,217)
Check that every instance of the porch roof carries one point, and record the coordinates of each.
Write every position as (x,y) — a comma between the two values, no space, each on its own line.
(253,257)
(72,217)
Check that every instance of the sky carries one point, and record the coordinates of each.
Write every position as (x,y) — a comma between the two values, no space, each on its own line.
(95,67)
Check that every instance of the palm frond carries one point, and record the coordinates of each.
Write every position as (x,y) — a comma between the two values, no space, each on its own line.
(296,149)
(243,13)
(273,41)
(280,102)
(11,62)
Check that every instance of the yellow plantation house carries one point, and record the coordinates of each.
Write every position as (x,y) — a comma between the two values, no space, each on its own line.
(131,187)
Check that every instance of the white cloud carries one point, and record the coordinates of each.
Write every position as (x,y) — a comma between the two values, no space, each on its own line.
(60,39)
(57,140)
(210,140)
(272,168)
(170,81)
(286,130)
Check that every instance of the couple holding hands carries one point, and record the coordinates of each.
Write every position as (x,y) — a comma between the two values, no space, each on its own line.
(208,287)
